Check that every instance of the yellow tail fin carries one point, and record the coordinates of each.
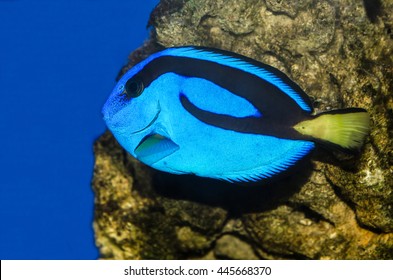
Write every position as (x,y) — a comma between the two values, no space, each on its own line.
(346,128)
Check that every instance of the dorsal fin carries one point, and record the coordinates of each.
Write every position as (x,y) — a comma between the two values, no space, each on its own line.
(261,70)
(236,61)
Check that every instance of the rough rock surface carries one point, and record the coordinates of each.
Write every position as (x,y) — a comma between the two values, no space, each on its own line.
(335,207)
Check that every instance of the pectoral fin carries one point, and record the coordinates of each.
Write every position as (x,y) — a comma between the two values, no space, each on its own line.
(155,147)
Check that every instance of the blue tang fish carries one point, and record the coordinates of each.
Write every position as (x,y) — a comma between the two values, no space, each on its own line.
(217,114)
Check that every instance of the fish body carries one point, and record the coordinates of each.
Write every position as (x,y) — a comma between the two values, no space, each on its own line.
(216,114)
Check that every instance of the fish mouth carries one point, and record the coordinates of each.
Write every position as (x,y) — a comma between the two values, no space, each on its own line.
(151,122)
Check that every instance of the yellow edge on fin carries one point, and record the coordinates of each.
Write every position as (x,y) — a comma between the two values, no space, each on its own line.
(347,130)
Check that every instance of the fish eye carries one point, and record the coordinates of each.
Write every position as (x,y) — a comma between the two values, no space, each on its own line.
(133,88)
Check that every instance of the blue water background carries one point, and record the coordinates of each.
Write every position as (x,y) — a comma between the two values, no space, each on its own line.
(58,63)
